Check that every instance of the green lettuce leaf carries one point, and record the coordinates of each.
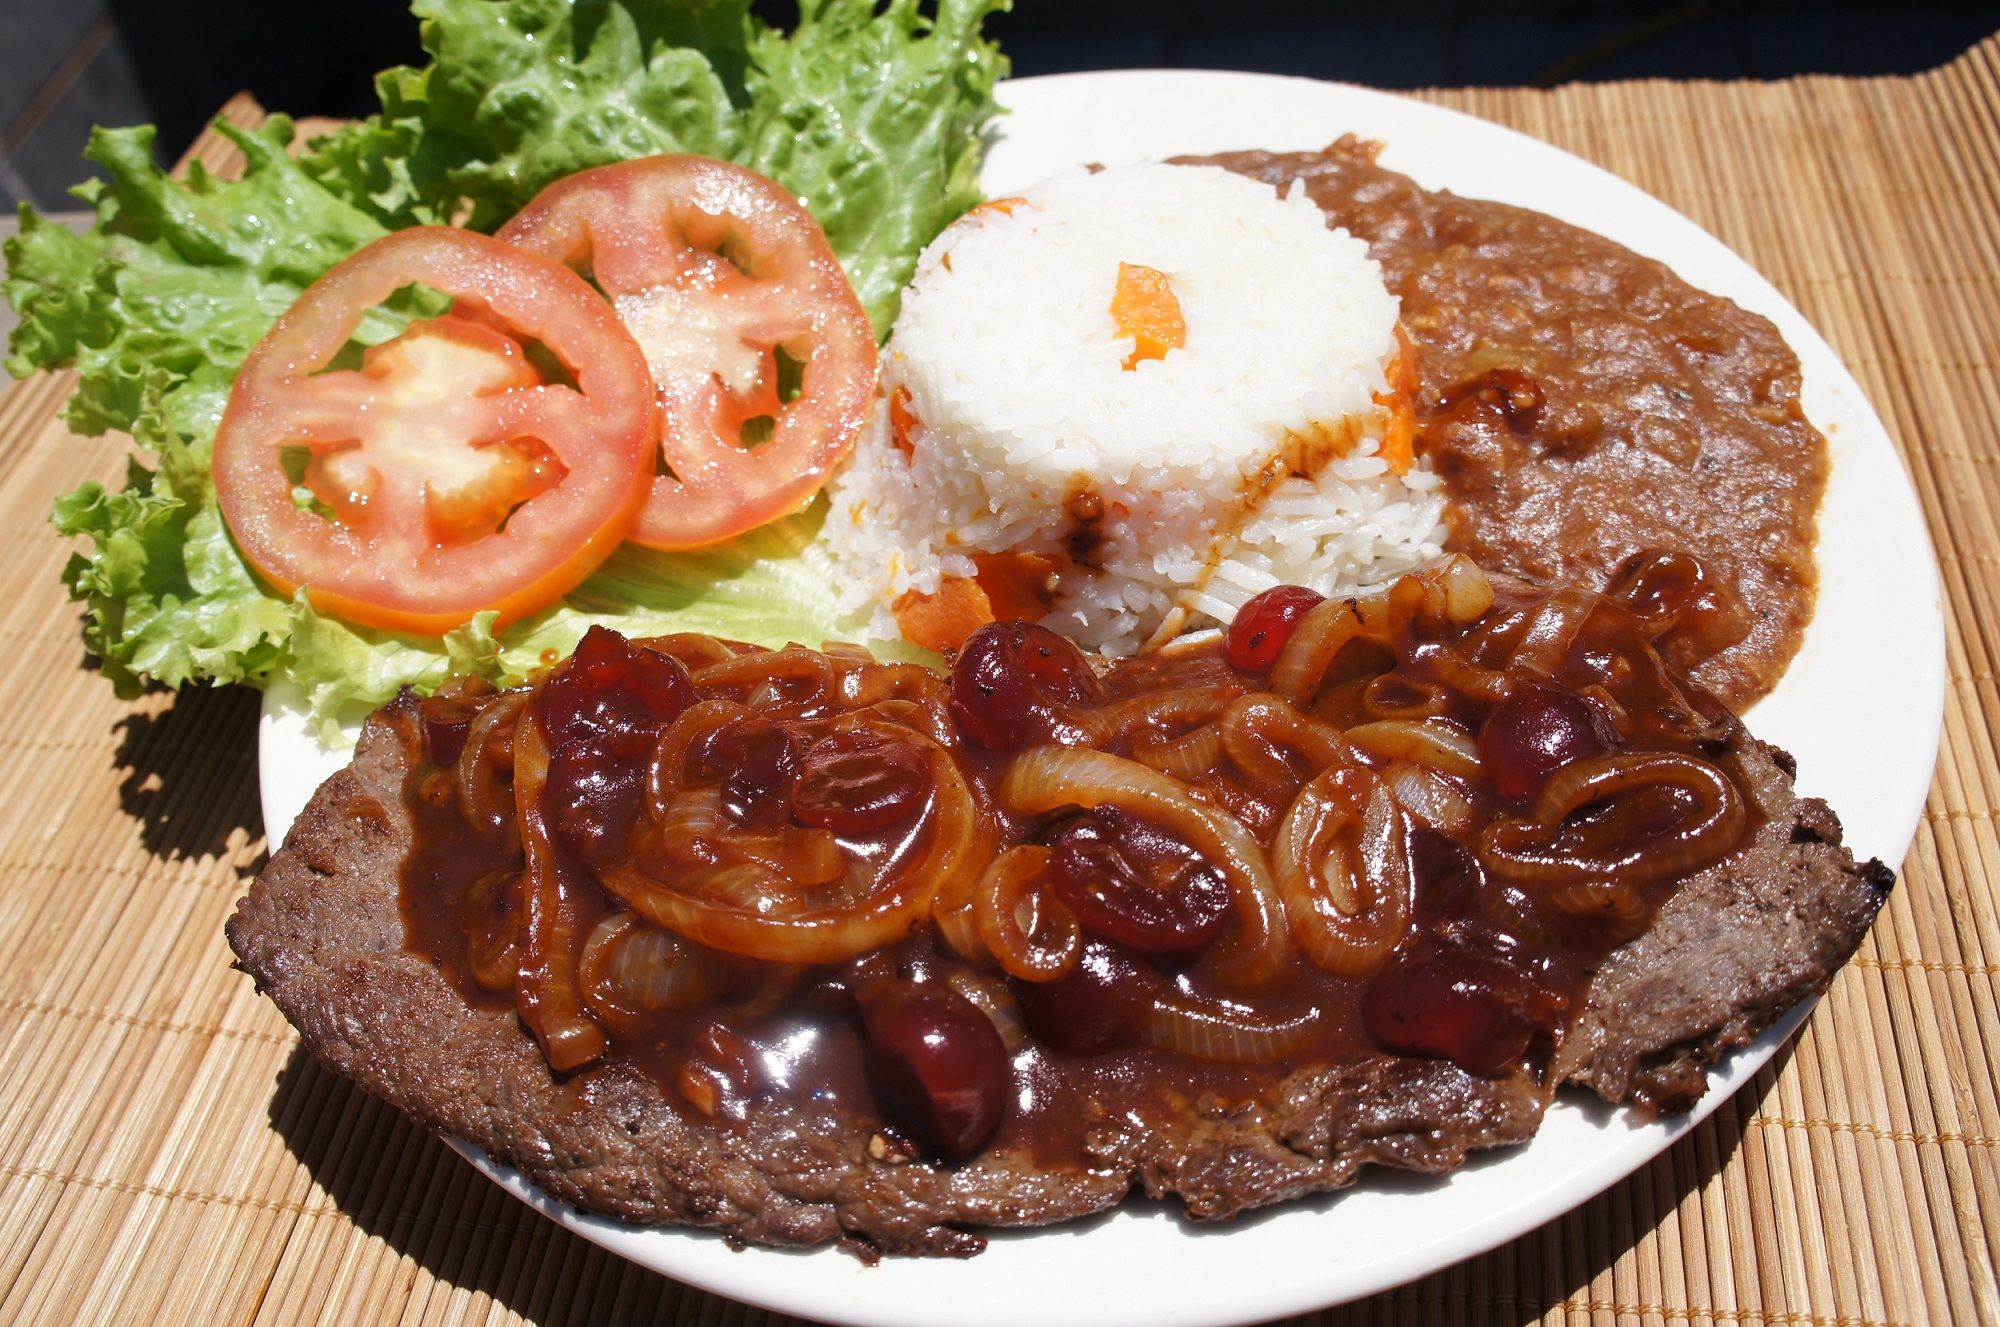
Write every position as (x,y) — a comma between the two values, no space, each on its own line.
(874,115)
(884,162)
(520,93)
(770,587)
(177,280)
(169,597)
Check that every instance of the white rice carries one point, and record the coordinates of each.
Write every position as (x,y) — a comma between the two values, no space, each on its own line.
(1013,370)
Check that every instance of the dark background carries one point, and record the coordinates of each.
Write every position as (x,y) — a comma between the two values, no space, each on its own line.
(66,64)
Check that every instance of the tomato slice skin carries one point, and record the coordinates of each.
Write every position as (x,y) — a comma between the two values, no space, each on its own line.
(714,267)
(444,433)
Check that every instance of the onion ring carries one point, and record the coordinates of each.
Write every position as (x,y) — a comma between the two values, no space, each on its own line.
(748,909)
(1319,638)
(1124,720)
(1437,743)
(1187,758)
(1047,778)
(1030,932)
(1343,872)
(546,994)
(1531,851)
(669,766)
(1211,1031)
(1257,730)
(794,682)
(475,781)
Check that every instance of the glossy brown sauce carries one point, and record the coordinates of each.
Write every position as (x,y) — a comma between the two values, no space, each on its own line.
(1582,403)
(1488,968)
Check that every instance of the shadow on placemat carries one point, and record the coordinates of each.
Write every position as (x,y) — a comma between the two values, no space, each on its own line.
(189,762)
(396,1182)
(399,1183)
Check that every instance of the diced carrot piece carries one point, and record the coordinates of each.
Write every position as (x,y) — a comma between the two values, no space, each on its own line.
(902,420)
(1004,206)
(1144,307)
(1399,440)
(943,620)
(1017,585)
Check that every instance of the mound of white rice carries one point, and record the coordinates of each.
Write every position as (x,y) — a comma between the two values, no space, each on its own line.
(1244,459)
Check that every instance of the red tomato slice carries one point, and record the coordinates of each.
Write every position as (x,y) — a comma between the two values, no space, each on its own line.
(444,475)
(714,269)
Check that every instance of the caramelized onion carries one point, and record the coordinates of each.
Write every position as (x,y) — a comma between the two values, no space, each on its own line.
(749,909)
(1125,720)
(1049,778)
(773,983)
(1258,730)
(1449,665)
(1432,798)
(1657,586)
(631,969)
(1449,592)
(690,647)
(1468,595)
(1544,641)
(1187,758)
(1319,638)
(545,989)
(1617,907)
(888,687)
(793,682)
(951,913)
(482,800)
(695,830)
(1210,1030)
(1030,932)
(694,724)
(1437,743)
(493,928)
(1396,696)
(1545,851)
(932,722)
(1342,871)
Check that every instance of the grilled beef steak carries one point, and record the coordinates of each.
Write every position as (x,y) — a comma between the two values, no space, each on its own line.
(1163,923)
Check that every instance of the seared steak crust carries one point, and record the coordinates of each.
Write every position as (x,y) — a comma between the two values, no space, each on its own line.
(321,932)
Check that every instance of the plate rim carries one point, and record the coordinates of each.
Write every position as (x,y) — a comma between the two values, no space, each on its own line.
(685,1254)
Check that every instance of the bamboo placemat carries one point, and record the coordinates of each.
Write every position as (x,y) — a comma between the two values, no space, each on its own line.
(168,1155)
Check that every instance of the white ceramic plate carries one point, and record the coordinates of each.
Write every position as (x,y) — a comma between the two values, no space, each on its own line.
(1860,708)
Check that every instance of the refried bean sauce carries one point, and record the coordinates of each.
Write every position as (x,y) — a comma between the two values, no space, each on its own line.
(1583,403)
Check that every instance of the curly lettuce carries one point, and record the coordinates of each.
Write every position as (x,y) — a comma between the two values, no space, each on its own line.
(873,113)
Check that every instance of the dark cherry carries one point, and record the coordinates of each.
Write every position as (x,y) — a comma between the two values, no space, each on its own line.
(594,790)
(1135,886)
(609,681)
(756,761)
(1099,1005)
(447,720)
(939,1066)
(1532,734)
(1452,1003)
(858,782)
(1016,685)
(1263,625)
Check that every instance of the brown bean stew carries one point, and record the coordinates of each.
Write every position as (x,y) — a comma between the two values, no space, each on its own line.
(1414,821)
(1583,404)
